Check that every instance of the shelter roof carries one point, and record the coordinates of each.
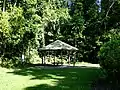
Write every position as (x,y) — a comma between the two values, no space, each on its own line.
(59,45)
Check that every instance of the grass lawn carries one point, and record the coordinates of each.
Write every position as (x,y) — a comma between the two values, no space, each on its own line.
(48,79)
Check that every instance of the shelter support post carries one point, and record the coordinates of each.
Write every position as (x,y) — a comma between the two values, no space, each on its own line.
(49,56)
(54,57)
(61,58)
(69,57)
(74,61)
(42,58)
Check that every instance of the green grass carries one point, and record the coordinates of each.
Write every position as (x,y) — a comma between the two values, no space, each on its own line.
(48,79)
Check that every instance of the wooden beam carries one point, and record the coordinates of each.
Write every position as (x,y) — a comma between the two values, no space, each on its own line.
(54,57)
(45,58)
(74,61)
(69,57)
(61,58)
(42,58)
(49,56)
(43,61)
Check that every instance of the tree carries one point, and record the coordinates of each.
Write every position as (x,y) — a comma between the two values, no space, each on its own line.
(83,30)
(110,14)
(53,14)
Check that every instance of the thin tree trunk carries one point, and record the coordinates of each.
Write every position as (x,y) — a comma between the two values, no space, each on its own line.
(43,37)
(110,8)
(4,1)
(15,3)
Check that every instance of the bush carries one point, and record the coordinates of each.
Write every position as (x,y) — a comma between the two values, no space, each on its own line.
(110,59)
(8,63)
(12,63)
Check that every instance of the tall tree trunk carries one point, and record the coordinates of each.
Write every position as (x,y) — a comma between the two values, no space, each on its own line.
(4,2)
(43,37)
(15,3)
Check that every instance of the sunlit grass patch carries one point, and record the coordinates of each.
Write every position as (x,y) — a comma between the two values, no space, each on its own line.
(48,79)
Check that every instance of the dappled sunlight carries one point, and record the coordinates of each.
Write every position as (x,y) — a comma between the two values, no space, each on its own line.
(85,64)
(48,79)
(17,82)
(57,77)
(49,82)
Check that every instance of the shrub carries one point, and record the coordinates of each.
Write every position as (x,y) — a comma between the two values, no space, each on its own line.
(12,63)
(8,63)
(110,58)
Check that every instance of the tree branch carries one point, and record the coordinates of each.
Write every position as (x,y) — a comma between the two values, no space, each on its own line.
(110,8)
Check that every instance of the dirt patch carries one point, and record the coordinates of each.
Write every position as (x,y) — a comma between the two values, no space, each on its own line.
(47,66)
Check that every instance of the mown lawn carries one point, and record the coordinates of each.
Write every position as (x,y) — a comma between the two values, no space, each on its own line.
(48,79)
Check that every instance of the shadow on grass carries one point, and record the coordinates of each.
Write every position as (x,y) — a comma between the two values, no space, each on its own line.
(62,78)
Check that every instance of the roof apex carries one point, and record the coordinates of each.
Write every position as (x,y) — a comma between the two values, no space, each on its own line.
(59,45)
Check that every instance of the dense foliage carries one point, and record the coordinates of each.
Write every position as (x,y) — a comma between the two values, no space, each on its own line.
(26,25)
(110,58)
